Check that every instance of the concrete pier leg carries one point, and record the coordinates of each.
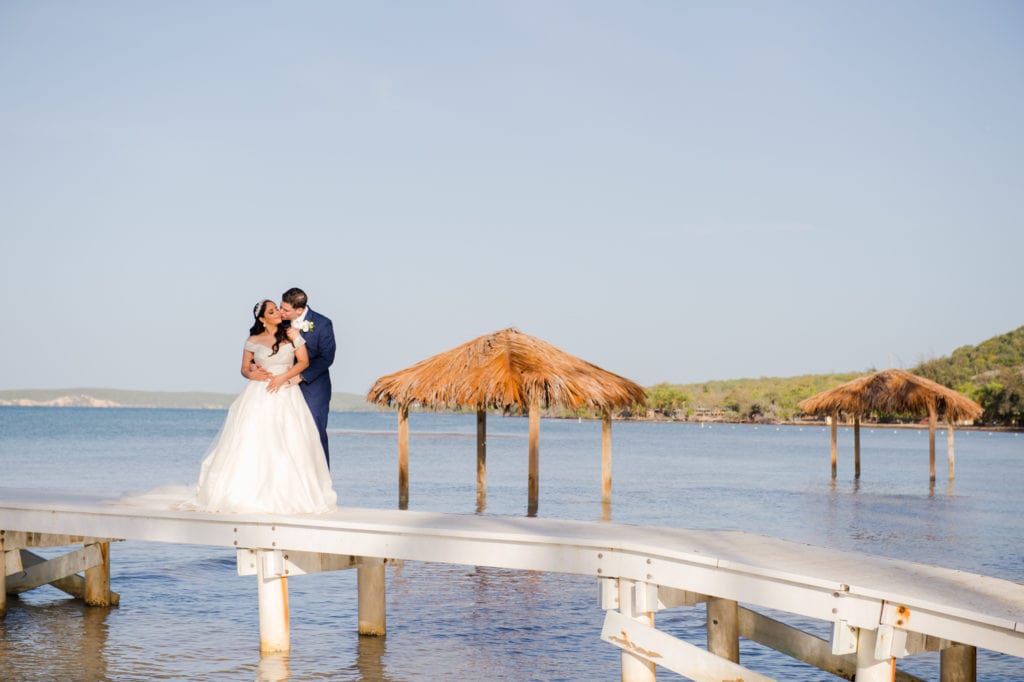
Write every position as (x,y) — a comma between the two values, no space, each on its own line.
(958,663)
(372,602)
(634,668)
(869,668)
(97,579)
(272,591)
(724,628)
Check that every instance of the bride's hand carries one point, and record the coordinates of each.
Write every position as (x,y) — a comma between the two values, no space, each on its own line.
(275,384)
(293,333)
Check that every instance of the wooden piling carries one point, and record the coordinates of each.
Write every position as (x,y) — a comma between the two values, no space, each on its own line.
(606,457)
(370,581)
(949,447)
(723,628)
(856,446)
(958,663)
(481,460)
(403,456)
(835,420)
(533,480)
(97,579)
(932,419)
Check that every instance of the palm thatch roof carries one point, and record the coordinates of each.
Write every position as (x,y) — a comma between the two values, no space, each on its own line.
(503,370)
(892,391)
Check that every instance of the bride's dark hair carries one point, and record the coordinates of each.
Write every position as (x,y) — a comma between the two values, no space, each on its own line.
(258,311)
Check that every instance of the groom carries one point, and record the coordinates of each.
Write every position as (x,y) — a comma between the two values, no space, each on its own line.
(318,333)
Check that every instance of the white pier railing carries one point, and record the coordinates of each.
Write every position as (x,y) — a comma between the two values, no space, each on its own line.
(880,609)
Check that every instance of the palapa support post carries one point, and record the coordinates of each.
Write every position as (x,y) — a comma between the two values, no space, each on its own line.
(606,457)
(958,663)
(97,579)
(272,593)
(481,459)
(834,420)
(932,419)
(403,456)
(856,446)
(370,580)
(533,480)
(723,626)
(949,447)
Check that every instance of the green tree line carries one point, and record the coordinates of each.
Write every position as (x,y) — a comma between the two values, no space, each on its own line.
(991,373)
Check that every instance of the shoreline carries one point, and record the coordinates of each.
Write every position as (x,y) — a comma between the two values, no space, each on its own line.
(106,404)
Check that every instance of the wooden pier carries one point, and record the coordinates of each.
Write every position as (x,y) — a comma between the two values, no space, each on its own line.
(880,610)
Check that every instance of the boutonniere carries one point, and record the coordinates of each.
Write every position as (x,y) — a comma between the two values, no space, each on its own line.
(306,326)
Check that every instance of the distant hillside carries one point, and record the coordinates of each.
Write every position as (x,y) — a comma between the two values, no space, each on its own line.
(769,399)
(111,397)
(991,373)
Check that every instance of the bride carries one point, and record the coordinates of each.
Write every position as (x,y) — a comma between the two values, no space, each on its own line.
(268,457)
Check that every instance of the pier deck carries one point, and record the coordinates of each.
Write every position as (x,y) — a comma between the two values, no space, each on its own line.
(897,602)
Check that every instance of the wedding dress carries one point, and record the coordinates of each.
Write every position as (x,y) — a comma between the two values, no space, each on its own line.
(267,457)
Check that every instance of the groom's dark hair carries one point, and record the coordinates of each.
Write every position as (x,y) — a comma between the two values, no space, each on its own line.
(295,297)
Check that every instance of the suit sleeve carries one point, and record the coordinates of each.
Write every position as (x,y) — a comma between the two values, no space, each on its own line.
(326,347)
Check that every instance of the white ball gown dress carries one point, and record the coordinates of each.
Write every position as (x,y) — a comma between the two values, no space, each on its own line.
(267,457)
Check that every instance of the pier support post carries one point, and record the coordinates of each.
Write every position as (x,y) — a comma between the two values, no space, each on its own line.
(724,628)
(634,668)
(958,663)
(97,579)
(272,592)
(372,602)
(869,668)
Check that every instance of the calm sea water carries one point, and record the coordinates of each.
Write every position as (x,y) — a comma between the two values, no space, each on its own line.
(186,615)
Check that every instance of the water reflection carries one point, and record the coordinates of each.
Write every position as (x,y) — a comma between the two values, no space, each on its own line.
(273,667)
(370,658)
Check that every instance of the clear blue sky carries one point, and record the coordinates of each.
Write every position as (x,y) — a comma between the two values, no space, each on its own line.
(675,191)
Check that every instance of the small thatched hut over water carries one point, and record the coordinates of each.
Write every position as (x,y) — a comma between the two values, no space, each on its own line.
(505,370)
(893,391)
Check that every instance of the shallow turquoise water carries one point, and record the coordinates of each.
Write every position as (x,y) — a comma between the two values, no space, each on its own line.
(185,614)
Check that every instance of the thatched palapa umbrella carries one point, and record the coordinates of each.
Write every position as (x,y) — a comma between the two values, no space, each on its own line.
(893,391)
(505,370)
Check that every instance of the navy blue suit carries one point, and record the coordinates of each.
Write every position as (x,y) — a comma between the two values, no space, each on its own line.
(316,379)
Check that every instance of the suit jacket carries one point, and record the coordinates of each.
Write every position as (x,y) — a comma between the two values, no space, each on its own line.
(316,379)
